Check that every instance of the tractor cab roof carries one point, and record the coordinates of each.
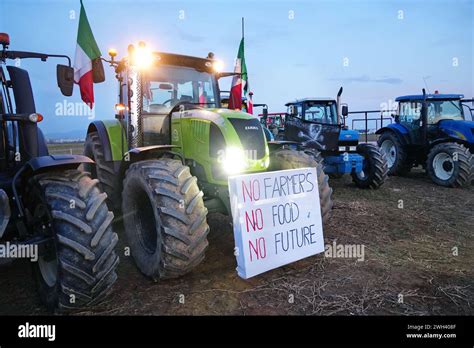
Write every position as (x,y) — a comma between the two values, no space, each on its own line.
(419,97)
(198,63)
(304,100)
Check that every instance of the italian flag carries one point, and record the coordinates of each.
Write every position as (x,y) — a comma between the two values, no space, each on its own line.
(88,67)
(202,97)
(240,82)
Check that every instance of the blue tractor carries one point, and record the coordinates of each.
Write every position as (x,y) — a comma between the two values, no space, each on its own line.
(431,130)
(315,124)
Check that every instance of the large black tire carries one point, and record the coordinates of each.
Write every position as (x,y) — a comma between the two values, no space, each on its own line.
(103,170)
(164,218)
(291,159)
(375,167)
(78,271)
(319,157)
(315,154)
(445,170)
(335,175)
(395,153)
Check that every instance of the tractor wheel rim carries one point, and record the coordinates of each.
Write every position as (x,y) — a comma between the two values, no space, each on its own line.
(443,166)
(388,147)
(49,270)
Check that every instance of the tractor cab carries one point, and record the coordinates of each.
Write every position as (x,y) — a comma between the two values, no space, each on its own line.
(158,87)
(431,130)
(20,137)
(318,124)
(314,123)
(273,121)
(170,104)
(444,117)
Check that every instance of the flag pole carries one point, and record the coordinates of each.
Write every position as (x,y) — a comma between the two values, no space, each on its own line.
(243,27)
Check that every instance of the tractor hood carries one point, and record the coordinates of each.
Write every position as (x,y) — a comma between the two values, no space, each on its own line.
(242,130)
(349,135)
(462,130)
(215,115)
(223,142)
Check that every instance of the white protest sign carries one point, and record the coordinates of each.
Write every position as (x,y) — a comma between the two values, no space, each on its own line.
(277,219)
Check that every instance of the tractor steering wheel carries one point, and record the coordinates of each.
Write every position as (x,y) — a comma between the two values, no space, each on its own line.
(178,104)
(167,101)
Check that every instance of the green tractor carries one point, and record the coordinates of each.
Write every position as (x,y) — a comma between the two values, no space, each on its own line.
(165,160)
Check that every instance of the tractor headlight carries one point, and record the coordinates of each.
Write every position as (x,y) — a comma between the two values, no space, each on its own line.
(234,161)
(142,56)
(218,65)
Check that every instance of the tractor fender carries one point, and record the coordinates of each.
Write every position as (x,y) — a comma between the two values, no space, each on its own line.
(148,152)
(276,144)
(397,129)
(448,140)
(49,162)
(101,129)
(458,130)
(42,147)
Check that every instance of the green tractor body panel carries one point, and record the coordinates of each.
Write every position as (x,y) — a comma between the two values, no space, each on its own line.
(117,139)
(204,137)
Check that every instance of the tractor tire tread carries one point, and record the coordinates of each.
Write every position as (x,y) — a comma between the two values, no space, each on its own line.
(178,201)
(75,227)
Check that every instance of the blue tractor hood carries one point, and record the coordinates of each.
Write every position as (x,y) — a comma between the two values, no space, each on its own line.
(348,135)
(462,130)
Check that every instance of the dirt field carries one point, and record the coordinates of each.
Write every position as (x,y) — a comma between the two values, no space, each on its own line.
(409,266)
(66,148)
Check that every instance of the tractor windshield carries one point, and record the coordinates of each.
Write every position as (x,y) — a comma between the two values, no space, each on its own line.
(444,110)
(320,112)
(166,86)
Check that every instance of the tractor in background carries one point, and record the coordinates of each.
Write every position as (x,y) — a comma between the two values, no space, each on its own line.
(46,203)
(431,130)
(273,121)
(167,156)
(316,124)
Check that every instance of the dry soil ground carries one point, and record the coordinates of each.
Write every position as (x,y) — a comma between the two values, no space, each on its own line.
(410,265)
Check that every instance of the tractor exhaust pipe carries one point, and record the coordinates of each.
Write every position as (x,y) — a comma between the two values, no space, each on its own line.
(5,212)
(338,106)
(424,119)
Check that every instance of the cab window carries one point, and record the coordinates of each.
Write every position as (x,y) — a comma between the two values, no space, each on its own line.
(321,112)
(410,112)
(299,110)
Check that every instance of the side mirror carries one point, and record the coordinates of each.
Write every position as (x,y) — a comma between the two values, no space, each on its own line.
(265,113)
(165,86)
(292,110)
(397,118)
(65,77)
(345,110)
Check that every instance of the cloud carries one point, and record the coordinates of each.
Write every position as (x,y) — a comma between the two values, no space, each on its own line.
(368,79)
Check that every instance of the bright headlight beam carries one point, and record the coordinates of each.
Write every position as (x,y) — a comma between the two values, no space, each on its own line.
(218,65)
(234,161)
(143,57)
